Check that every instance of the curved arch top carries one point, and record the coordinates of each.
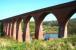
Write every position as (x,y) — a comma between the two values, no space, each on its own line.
(71,13)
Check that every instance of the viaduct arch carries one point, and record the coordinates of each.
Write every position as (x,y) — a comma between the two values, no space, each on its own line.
(63,12)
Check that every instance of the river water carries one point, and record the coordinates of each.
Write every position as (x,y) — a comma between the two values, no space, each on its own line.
(52,35)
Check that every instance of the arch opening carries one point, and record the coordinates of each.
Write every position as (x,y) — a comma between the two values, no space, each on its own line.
(50,27)
(32,28)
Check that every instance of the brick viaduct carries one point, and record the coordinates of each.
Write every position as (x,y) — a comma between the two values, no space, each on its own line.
(62,12)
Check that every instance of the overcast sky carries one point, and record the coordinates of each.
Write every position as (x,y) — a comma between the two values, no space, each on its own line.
(9,8)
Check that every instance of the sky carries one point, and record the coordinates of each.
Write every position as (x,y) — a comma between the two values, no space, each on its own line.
(9,8)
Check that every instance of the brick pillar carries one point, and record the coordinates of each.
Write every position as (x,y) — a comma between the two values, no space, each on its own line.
(66,31)
(4,27)
(39,25)
(7,30)
(10,28)
(26,31)
(19,32)
(39,31)
(63,31)
(14,31)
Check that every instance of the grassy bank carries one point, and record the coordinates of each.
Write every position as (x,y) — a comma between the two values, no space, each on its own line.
(58,44)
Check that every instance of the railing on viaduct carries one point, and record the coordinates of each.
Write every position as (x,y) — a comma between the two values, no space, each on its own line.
(63,12)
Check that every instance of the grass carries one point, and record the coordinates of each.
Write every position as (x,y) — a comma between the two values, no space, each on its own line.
(9,44)
(57,44)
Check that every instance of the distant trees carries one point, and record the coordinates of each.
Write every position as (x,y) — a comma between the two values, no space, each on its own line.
(50,23)
(1,29)
(54,25)
(72,26)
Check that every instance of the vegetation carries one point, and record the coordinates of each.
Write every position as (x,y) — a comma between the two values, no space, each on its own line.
(50,27)
(32,28)
(1,29)
(57,44)
(72,27)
